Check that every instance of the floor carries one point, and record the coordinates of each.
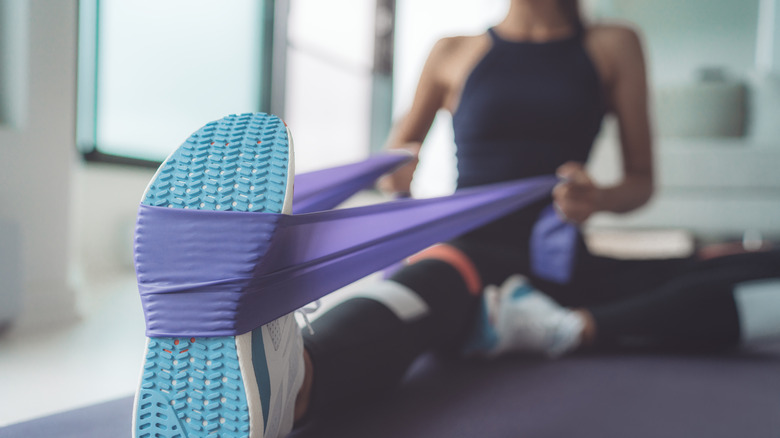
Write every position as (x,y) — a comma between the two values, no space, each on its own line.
(97,359)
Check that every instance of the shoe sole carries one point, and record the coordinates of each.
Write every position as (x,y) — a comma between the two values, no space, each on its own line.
(207,387)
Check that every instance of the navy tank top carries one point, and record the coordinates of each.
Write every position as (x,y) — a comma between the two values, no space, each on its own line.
(525,109)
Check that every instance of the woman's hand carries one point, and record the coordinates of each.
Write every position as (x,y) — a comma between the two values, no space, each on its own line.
(400,181)
(576,197)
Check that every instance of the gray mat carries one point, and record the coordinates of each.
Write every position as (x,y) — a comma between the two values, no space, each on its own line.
(627,395)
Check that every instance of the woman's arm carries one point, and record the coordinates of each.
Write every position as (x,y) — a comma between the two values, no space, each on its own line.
(577,198)
(411,130)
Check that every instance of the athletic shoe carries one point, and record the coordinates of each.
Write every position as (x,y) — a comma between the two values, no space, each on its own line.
(229,386)
(515,318)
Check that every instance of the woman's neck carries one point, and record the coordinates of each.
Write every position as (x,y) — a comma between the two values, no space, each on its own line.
(534,20)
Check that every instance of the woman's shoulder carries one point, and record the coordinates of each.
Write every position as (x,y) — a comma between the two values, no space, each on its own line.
(454,45)
(452,57)
(614,38)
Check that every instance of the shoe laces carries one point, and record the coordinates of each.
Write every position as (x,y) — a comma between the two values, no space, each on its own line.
(307,310)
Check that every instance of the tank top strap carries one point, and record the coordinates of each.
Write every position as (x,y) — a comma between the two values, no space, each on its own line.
(579,32)
(493,35)
(578,35)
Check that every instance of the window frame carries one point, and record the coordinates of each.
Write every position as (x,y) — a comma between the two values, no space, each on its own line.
(272,73)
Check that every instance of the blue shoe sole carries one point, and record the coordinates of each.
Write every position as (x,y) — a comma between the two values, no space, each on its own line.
(195,387)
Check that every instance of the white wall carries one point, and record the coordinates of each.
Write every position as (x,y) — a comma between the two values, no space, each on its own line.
(37,156)
(419,24)
(106,199)
(329,79)
(685,35)
(716,186)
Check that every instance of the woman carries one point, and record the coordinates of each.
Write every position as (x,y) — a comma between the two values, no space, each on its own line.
(527,99)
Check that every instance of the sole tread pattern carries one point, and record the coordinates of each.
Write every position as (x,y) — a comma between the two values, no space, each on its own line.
(238,163)
(193,388)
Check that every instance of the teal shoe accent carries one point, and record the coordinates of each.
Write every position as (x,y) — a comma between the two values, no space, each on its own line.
(521,291)
(483,338)
(260,360)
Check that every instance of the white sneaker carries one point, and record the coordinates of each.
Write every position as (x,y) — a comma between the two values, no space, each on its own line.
(517,318)
(228,386)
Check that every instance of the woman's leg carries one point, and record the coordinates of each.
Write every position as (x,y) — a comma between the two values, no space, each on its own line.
(719,303)
(364,345)
(683,303)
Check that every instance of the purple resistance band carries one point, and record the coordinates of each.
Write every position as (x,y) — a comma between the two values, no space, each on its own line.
(327,188)
(553,247)
(207,273)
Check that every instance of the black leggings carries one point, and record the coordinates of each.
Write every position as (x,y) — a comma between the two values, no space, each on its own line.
(361,347)
(694,309)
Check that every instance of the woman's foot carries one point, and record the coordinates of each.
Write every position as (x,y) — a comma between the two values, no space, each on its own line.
(196,385)
(516,318)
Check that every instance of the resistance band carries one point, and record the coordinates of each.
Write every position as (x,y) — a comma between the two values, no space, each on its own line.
(221,273)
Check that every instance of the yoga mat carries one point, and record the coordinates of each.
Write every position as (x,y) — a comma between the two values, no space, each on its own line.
(640,395)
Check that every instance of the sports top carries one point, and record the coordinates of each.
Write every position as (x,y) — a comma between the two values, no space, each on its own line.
(525,109)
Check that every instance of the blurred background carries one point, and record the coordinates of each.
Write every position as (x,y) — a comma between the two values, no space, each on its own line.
(95,93)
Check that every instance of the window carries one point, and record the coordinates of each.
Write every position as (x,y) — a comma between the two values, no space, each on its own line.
(328,99)
(152,72)
(13,63)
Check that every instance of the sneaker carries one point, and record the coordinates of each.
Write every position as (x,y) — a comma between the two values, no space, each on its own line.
(228,386)
(516,318)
